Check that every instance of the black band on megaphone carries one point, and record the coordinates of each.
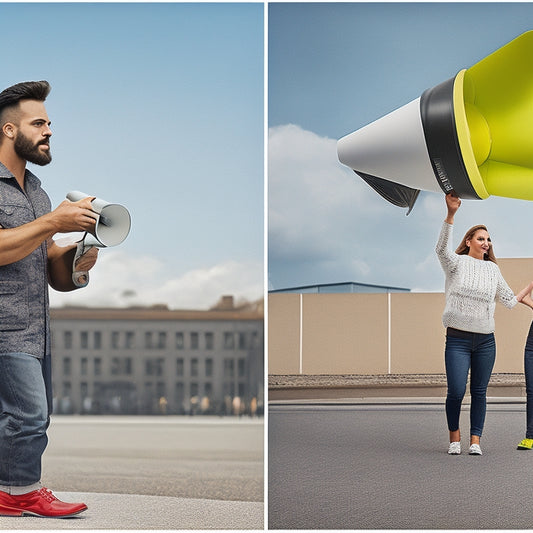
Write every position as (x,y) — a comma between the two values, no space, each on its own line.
(438,122)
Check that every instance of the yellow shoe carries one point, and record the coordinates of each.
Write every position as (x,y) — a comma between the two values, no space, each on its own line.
(526,444)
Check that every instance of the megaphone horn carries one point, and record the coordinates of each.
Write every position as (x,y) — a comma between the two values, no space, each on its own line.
(113,223)
(472,134)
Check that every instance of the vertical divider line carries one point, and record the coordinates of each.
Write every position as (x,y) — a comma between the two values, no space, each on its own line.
(301,331)
(389,333)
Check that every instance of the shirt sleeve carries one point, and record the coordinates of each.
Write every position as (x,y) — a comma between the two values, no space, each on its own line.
(448,258)
(504,294)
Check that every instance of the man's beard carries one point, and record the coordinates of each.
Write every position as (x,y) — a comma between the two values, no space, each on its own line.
(25,149)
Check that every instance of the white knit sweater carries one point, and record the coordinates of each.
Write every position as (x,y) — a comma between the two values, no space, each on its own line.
(472,287)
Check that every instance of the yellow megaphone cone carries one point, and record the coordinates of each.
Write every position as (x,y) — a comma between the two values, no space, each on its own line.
(472,134)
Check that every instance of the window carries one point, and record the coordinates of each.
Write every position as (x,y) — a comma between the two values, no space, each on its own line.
(162,340)
(241,367)
(229,389)
(194,390)
(229,340)
(160,390)
(194,367)
(148,339)
(194,341)
(84,366)
(209,341)
(67,340)
(180,393)
(208,389)
(121,366)
(97,366)
(154,366)
(242,341)
(241,390)
(67,366)
(97,340)
(180,367)
(130,340)
(115,340)
(179,340)
(208,367)
(229,368)
(84,340)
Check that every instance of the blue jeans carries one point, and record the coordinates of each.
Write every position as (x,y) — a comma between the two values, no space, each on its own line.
(25,408)
(528,371)
(475,352)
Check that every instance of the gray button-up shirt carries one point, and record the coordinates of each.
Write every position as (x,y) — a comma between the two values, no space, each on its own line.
(24,307)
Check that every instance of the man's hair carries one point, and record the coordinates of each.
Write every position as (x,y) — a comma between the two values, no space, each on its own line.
(27,90)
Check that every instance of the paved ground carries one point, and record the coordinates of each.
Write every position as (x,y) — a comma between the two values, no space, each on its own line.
(383,465)
(155,473)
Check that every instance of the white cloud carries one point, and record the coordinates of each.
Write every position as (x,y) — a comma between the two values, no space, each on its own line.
(119,280)
(327,225)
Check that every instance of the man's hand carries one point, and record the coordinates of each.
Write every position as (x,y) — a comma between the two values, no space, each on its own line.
(74,216)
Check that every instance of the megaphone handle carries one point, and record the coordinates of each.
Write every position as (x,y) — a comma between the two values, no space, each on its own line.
(80,278)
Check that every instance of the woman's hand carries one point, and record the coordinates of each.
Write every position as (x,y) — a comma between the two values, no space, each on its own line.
(453,202)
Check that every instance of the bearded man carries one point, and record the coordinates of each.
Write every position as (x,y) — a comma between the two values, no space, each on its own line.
(29,262)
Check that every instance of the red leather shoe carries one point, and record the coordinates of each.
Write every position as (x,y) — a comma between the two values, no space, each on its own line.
(38,503)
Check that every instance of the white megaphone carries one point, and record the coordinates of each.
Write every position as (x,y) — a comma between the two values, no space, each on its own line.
(112,225)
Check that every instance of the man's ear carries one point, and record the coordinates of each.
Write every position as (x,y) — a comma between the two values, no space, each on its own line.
(8,129)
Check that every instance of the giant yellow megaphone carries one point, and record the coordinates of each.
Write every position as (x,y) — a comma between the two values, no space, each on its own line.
(472,134)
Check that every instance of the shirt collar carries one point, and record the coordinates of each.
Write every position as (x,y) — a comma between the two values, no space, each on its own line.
(29,176)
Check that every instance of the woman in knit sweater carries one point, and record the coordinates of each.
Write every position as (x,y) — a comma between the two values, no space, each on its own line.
(473,284)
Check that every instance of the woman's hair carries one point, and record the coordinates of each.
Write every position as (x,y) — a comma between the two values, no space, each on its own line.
(463,249)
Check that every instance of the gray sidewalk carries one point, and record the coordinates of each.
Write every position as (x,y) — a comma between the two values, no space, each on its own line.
(127,511)
(154,473)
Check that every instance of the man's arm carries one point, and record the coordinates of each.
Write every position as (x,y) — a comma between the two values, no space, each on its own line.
(17,243)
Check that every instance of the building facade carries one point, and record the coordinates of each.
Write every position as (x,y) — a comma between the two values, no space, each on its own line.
(158,361)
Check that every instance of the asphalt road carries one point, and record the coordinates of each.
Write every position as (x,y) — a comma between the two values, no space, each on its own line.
(387,467)
(154,473)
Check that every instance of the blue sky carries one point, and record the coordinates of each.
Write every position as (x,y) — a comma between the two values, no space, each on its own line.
(159,107)
(335,67)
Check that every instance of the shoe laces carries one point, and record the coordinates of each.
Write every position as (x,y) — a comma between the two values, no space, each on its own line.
(47,495)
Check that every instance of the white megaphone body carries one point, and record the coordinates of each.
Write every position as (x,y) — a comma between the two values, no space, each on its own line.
(112,225)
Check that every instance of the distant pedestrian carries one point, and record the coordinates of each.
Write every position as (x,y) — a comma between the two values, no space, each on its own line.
(29,262)
(473,285)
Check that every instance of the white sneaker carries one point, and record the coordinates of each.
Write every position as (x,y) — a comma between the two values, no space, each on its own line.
(475,450)
(454,448)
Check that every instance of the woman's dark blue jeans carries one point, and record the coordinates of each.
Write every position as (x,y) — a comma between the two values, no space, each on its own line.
(528,371)
(25,407)
(468,351)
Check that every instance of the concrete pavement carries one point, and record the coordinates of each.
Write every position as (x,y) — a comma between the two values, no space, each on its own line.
(129,511)
(154,473)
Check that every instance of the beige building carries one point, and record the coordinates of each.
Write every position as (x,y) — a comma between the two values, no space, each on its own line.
(158,361)
(385,333)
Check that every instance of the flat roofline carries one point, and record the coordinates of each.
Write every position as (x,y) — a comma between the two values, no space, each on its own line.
(337,284)
(93,313)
